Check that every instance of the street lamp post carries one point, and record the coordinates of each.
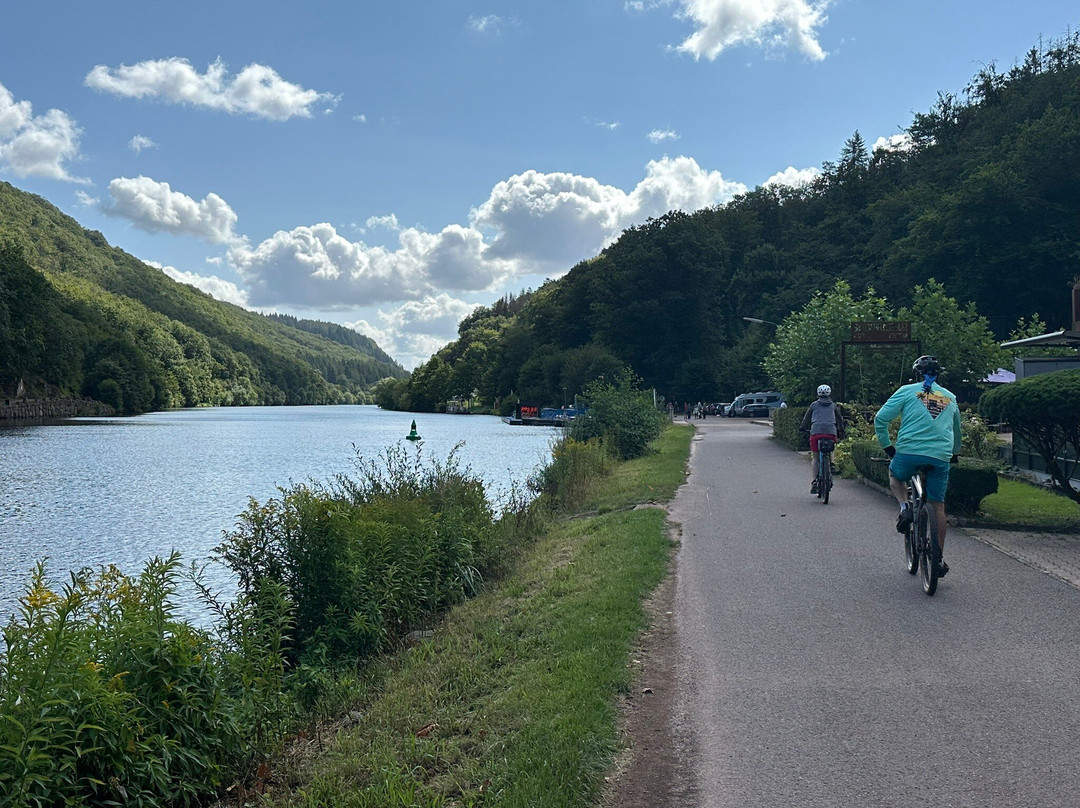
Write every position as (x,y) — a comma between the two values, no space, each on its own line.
(756,320)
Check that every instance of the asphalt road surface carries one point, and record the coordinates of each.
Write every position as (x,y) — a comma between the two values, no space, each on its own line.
(811,670)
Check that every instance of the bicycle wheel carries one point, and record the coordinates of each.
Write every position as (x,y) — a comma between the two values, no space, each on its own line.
(826,477)
(929,552)
(911,548)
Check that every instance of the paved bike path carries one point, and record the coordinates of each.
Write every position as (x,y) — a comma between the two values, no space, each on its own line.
(813,671)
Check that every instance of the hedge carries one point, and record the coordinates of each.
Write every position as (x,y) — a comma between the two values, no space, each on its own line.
(786,422)
(969,482)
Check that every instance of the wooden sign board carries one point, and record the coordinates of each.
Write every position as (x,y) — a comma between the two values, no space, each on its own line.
(880,331)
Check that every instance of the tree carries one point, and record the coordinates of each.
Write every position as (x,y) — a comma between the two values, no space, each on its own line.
(620,413)
(960,338)
(1042,410)
(806,350)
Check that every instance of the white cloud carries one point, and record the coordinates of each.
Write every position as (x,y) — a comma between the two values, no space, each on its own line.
(318,268)
(390,222)
(85,200)
(154,207)
(660,135)
(488,23)
(611,126)
(37,146)
(547,222)
(413,332)
(256,90)
(360,118)
(793,177)
(901,143)
(771,23)
(533,223)
(140,142)
(211,284)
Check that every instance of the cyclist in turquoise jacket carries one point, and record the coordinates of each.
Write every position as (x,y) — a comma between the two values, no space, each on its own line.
(929,435)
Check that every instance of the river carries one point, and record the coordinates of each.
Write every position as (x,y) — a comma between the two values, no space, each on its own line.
(119,491)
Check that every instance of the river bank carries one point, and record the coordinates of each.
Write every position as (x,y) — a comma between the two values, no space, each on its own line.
(20,410)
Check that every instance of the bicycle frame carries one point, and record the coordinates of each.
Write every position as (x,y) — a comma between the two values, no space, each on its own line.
(824,474)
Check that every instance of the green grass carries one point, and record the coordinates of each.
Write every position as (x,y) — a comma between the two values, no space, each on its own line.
(652,478)
(513,701)
(1018,503)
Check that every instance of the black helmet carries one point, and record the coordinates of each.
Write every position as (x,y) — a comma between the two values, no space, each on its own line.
(926,366)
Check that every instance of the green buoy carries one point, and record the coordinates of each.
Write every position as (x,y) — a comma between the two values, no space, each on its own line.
(412,433)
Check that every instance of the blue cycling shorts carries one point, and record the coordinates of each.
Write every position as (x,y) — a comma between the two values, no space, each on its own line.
(904,466)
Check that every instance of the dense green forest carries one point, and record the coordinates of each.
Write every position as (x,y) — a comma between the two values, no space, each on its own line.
(984,200)
(80,318)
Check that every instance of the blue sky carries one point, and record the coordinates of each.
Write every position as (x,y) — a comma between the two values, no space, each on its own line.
(390,166)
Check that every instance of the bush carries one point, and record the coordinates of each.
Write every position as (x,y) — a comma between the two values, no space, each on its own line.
(367,559)
(969,483)
(620,414)
(574,472)
(862,452)
(786,421)
(1043,411)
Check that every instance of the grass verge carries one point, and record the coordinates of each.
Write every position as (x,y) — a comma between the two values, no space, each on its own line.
(1021,504)
(512,702)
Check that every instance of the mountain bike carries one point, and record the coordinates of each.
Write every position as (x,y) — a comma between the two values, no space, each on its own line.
(922,550)
(824,469)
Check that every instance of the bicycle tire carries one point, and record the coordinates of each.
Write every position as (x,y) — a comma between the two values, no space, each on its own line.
(826,477)
(911,548)
(930,556)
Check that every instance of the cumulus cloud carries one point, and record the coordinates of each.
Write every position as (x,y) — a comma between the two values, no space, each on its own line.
(36,145)
(531,224)
(140,142)
(793,177)
(413,332)
(660,135)
(154,207)
(214,286)
(901,143)
(256,90)
(722,24)
(316,267)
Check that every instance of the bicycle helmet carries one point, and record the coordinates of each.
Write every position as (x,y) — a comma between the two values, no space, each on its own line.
(824,390)
(926,366)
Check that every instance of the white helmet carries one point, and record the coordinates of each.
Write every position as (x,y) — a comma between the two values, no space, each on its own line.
(824,390)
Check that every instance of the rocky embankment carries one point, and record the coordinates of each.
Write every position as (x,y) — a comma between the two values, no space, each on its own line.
(50,409)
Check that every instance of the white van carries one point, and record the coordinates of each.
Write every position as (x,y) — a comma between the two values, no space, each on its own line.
(755,405)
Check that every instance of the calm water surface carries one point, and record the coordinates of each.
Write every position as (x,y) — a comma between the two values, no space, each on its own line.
(121,490)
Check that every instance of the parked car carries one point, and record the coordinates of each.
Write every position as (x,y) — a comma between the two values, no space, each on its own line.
(755,405)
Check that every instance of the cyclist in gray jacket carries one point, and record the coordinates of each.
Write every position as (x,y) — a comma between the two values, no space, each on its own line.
(822,420)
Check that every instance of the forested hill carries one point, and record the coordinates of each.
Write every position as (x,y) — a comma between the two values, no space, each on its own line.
(984,197)
(80,318)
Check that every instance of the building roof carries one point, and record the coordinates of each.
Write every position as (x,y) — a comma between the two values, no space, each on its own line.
(1069,339)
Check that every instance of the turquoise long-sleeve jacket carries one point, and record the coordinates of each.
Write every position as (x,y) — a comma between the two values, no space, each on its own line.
(929,421)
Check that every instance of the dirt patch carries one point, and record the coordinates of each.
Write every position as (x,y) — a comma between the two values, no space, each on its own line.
(644,774)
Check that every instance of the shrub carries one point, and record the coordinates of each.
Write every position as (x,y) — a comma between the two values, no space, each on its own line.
(1043,411)
(786,421)
(575,469)
(365,560)
(107,699)
(969,483)
(621,414)
(862,452)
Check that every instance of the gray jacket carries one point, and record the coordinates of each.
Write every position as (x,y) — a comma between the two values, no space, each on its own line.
(823,418)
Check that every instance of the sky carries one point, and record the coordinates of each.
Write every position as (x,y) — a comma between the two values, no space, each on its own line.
(392,166)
